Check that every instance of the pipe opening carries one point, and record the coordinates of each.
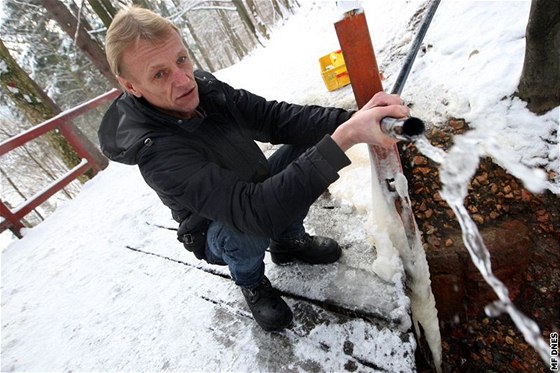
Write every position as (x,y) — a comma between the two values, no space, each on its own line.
(403,129)
(413,127)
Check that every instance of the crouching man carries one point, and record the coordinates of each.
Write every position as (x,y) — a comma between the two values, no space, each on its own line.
(193,139)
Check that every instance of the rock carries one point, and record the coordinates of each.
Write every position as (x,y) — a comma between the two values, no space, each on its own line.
(457,124)
(482,178)
(428,213)
(478,219)
(517,366)
(543,218)
(423,170)
(419,160)
(434,240)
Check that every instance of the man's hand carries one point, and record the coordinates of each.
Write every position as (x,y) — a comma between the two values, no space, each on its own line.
(364,126)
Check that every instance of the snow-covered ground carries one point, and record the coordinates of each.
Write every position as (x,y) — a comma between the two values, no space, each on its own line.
(75,298)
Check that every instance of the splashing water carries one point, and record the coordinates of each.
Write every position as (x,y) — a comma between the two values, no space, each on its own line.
(457,168)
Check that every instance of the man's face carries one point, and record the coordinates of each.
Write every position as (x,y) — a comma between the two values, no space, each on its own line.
(161,73)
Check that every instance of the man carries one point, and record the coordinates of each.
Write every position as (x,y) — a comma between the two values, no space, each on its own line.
(193,139)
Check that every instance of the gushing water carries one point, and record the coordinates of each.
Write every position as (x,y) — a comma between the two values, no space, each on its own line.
(457,168)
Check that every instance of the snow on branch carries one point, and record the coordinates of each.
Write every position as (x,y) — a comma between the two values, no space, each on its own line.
(199,6)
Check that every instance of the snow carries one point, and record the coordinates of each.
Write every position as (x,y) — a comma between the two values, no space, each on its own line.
(3,67)
(74,298)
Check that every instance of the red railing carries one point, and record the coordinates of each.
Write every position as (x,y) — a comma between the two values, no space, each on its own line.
(91,159)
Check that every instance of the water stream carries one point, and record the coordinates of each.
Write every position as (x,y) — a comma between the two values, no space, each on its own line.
(457,167)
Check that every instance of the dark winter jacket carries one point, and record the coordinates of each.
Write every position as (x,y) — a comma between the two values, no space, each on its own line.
(211,169)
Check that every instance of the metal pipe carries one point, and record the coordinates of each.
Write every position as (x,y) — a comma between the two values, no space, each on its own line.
(408,129)
(412,128)
(413,51)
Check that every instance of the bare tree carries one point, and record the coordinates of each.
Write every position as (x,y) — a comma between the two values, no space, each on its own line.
(261,26)
(200,46)
(540,79)
(70,24)
(104,10)
(235,41)
(246,18)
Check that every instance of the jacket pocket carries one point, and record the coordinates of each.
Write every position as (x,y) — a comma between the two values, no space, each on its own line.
(194,240)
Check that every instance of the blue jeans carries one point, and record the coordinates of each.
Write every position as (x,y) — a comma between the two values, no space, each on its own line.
(244,253)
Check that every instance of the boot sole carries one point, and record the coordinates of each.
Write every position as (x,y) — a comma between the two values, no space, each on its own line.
(285,258)
(274,328)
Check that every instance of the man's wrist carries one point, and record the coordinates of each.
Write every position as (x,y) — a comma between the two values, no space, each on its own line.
(342,137)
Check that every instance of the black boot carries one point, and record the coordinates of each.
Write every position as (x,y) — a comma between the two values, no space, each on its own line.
(268,308)
(309,249)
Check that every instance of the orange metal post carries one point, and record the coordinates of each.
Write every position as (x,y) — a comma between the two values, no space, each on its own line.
(355,42)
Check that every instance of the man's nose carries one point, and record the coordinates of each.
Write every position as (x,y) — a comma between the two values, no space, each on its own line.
(180,77)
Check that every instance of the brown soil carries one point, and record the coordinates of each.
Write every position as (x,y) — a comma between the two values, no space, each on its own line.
(473,342)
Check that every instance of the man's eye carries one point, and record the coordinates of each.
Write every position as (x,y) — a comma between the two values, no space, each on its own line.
(181,60)
(158,75)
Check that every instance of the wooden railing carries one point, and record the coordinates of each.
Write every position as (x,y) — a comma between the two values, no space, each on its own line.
(91,159)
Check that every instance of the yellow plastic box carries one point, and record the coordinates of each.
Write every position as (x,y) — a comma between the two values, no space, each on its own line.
(333,70)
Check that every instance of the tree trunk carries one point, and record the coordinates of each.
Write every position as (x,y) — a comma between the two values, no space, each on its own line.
(110,8)
(246,18)
(141,3)
(200,46)
(236,42)
(105,14)
(89,46)
(540,78)
(75,9)
(290,5)
(260,23)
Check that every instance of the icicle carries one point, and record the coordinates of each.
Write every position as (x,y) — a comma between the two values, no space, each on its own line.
(394,245)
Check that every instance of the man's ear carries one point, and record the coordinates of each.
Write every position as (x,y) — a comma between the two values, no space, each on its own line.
(128,86)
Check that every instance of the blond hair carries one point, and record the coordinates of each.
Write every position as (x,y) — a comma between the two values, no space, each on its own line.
(130,25)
